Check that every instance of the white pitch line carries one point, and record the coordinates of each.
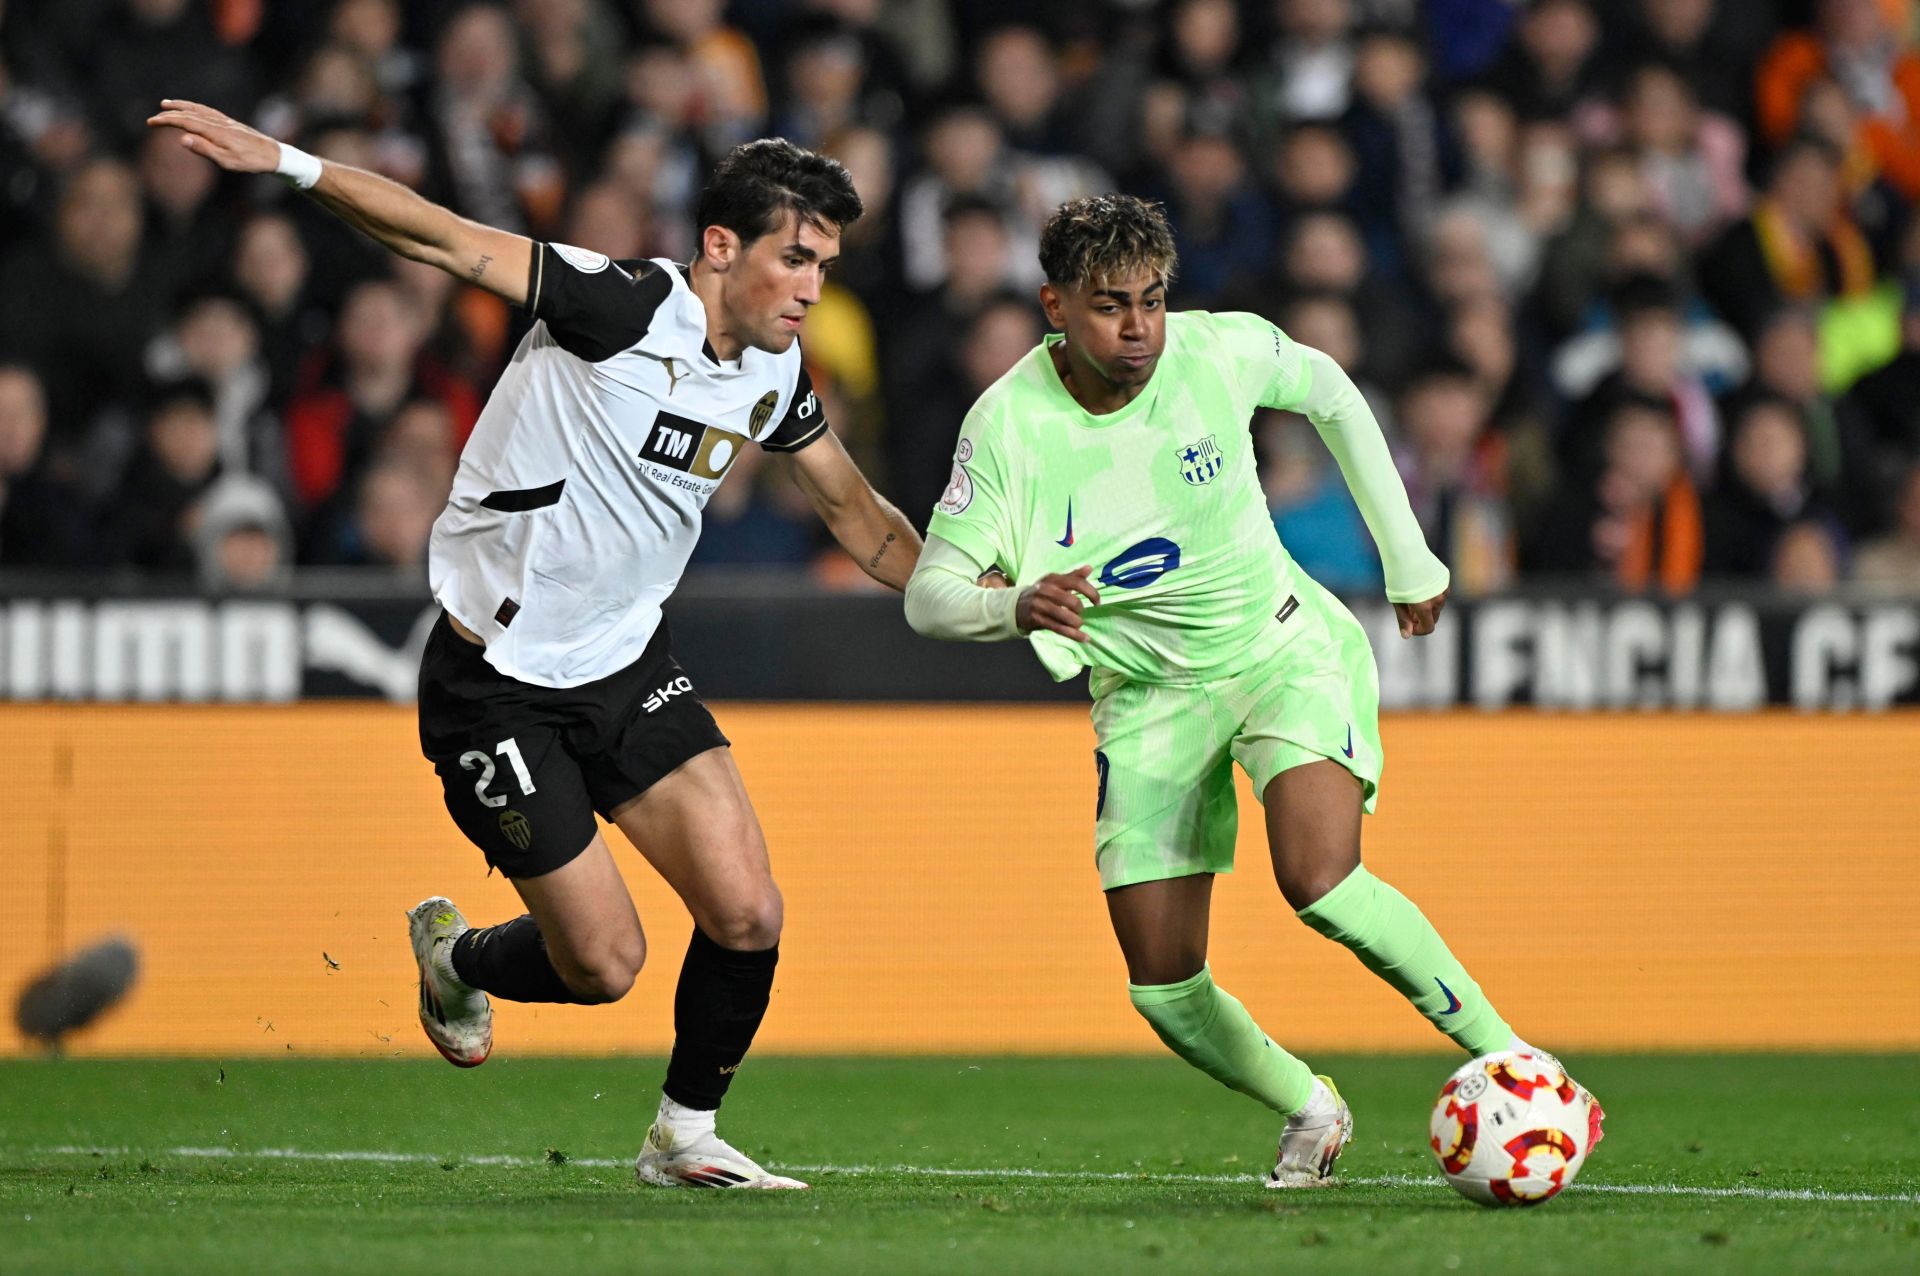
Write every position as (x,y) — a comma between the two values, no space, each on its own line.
(924,1171)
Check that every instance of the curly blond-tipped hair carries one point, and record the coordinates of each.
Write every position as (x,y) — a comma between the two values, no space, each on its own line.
(1106,237)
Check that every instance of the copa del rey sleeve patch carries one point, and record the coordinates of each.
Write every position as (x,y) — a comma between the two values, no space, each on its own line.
(959,491)
(584,260)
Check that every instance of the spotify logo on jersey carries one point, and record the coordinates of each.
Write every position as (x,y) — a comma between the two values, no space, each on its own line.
(1141,564)
(691,447)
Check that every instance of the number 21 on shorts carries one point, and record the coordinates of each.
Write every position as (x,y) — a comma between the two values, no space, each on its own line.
(509,749)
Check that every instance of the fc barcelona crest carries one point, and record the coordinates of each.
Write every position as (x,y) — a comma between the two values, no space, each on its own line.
(1200,461)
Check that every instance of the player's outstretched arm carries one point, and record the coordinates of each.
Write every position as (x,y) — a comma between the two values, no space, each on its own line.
(951,596)
(385,211)
(1416,578)
(878,536)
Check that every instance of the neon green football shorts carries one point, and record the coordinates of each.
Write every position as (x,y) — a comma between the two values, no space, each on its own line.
(1165,751)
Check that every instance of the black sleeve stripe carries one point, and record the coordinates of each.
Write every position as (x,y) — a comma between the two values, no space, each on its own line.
(794,445)
(539,272)
(521,500)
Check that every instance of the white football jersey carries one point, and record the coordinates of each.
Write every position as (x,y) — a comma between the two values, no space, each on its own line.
(579,495)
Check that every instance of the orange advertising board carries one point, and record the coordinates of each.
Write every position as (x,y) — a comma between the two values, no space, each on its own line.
(1625,881)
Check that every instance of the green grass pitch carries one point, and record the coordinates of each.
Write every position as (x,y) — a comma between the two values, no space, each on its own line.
(1744,1163)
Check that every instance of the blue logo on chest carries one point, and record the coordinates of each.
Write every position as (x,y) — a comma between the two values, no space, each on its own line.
(1141,564)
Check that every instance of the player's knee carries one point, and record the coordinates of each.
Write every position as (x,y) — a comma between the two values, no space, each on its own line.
(607,975)
(1304,887)
(748,924)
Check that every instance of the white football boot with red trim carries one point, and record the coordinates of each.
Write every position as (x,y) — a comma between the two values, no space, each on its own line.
(458,1019)
(1313,1139)
(672,1158)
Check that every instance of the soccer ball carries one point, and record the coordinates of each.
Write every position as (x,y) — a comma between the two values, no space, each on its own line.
(1510,1129)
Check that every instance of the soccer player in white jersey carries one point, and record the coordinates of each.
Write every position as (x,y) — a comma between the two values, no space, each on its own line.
(1120,446)
(548,690)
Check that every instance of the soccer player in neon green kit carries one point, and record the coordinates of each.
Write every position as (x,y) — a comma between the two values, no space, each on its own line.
(1109,478)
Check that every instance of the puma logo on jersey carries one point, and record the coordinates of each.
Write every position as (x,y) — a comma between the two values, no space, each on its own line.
(673,377)
(658,699)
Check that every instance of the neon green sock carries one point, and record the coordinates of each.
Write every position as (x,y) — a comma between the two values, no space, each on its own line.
(1211,1030)
(1394,940)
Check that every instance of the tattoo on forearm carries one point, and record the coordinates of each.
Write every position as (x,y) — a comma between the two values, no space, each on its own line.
(479,268)
(881,553)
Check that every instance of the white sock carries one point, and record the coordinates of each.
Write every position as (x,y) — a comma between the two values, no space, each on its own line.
(1320,1103)
(684,1120)
(1515,1044)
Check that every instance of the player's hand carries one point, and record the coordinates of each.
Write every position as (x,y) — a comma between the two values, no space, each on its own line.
(227,142)
(1418,619)
(1055,602)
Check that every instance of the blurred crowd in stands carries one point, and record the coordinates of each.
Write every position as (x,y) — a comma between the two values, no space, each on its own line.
(1632,285)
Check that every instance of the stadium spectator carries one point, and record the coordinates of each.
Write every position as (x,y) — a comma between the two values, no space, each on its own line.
(982,348)
(493,156)
(1451,466)
(1766,489)
(965,156)
(241,540)
(1225,225)
(1853,44)
(1708,43)
(1552,64)
(43,515)
(1797,245)
(1475,180)
(1839,444)
(1312,509)
(870,249)
(216,339)
(352,394)
(1808,560)
(270,267)
(392,520)
(1323,253)
(188,237)
(1693,160)
(1889,398)
(1653,364)
(731,89)
(1403,151)
(1019,81)
(81,308)
(924,379)
(149,521)
(150,50)
(1892,562)
(1480,334)
(1637,524)
(754,521)
(1311,72)
(1203,57)
(572,57)
(372,29)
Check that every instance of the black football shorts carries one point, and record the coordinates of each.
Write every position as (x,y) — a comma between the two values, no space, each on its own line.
(525,767)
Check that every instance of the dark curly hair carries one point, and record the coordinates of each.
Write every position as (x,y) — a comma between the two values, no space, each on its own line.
(756,184)
(1104,237)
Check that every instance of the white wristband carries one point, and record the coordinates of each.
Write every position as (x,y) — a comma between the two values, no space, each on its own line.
(299,168)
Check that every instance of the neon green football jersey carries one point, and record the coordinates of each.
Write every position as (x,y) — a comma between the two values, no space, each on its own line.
(1161,497)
